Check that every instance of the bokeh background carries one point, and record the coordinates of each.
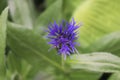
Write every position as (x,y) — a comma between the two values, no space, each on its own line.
(24,49)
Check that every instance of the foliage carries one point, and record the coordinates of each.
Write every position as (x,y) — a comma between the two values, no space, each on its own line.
(3,20)
(24,51)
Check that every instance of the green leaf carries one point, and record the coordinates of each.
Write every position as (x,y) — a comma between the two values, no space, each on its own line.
(17,67)
(45,75)
(77,75)
(49,2)
(13,63)
(3,4)
(97,61)
(31,46)
(20,12)
(84,75)
(3,19)
(70,6)
(108,43)
(115,76)
(99,17)
(54,12)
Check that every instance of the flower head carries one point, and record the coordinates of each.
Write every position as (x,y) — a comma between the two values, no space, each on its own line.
(62,37)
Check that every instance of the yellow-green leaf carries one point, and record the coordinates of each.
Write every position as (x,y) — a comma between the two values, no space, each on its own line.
(99,17)
(3,19)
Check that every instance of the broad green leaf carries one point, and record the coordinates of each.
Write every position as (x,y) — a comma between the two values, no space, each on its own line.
(17,67)
(20,12)
(84,75)
(115,76)
(70,6)
(108,43)
(49,2)
(97,61)
(31,47)
(99,17)
(3,4)
(45,75)
(30,72)
(77,75)
(13,63)
(52,13)
(3,19)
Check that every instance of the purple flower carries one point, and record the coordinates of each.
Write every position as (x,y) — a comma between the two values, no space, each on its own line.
(62,37)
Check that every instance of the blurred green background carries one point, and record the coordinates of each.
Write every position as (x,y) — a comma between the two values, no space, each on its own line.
(24,51)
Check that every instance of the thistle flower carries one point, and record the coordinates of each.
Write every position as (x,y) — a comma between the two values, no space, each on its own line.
(62,37)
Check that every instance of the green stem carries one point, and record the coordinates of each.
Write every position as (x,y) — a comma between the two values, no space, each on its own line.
(63,63)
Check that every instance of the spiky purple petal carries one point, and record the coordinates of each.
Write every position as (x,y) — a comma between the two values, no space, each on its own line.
(63,36)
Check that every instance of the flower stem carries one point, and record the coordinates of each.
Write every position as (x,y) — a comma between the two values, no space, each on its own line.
(62,61)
